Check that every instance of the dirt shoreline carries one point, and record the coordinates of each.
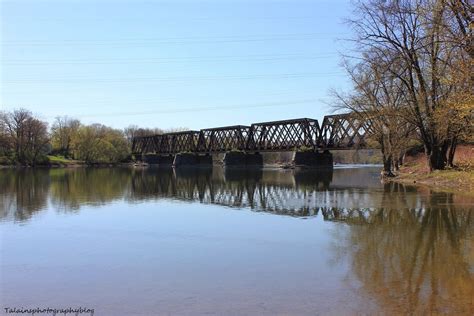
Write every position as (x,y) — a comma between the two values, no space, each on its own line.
(458,180)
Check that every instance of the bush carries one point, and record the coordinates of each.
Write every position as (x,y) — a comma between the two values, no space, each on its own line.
(42,160)
(4,161)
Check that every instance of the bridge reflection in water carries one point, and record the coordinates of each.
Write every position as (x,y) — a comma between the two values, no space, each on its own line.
(294,193)
(340,194)
(351,195)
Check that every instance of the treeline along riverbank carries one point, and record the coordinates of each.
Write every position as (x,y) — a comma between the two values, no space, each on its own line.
(25,140)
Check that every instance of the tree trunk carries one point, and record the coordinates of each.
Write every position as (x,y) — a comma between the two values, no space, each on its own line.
(437,158)
(401,160)
(396,164)
(387,166)
(68,149)
(451,152)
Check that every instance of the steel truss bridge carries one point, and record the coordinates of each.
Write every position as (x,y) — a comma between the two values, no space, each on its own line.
(341,131)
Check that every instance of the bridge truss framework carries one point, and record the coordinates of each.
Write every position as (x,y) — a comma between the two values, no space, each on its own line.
(341,131)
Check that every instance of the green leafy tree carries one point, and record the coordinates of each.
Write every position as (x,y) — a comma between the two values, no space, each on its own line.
(63,132)
(97,143)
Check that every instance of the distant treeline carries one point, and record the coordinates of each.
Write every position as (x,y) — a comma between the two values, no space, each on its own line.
(27,140)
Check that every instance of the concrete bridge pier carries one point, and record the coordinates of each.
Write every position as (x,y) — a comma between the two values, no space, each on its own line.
(313,159)
(157,159)
(191,159)
(240,158)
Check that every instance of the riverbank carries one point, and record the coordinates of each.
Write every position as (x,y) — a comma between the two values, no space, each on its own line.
(455,180)
(459,179)
(61,162)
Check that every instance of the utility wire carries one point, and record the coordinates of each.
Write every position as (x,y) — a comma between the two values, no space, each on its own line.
(113,103)
(26,62)
(160,42)
(153,79)
(174,19)
(199,109)
(262,37)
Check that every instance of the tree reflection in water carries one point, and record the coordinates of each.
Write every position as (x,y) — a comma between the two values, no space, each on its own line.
(71,188)
(23,193)
(413,260)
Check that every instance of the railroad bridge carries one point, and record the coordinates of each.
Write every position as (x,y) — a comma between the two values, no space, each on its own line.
(243,144)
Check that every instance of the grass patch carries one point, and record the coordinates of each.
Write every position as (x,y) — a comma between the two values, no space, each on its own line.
(61,160)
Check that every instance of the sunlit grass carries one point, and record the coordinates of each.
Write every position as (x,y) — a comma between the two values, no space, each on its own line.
(61,160)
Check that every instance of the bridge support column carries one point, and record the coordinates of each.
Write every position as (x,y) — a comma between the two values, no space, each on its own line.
(239,158)
(190,159)
(313,159)
(156,159)
(138,157)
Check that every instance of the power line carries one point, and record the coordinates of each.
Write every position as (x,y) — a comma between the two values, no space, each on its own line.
(159,79)
(230,93)
(108,103)
(148,41)
(258,36)
(166,60)
(172,18)
(199,109)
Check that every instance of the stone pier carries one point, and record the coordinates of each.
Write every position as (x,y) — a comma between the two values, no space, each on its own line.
(313,159)
(190,159)
(155,159)
(239,158)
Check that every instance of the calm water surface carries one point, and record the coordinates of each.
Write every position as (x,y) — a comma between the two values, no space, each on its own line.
(233,242)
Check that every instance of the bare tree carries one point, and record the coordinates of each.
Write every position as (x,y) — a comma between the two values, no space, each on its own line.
(378,100)
(135,131)
(460,25)
(412,41)
(26,136)
(37,139)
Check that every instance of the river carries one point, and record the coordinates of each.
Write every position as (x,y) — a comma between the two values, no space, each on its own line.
(220,241)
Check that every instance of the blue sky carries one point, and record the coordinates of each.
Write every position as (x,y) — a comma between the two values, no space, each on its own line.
(167,64)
